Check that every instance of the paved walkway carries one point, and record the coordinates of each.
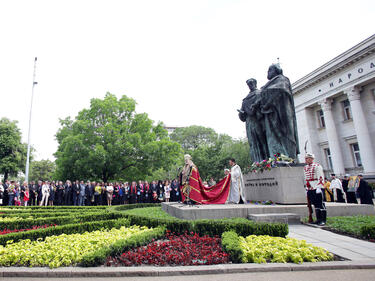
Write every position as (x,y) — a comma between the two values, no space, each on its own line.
(344,246)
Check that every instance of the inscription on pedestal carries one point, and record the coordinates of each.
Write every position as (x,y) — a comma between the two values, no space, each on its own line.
(282,185)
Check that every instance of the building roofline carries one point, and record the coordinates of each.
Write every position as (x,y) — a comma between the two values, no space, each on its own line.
(359,51)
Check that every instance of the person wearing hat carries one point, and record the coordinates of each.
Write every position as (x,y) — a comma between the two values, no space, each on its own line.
(314,183)
(338,192)
(365,191)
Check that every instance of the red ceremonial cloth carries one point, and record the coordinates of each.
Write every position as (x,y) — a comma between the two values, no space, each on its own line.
(216,194)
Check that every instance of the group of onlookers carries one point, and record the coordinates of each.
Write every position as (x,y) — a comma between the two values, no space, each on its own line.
(348,190)
(80,193)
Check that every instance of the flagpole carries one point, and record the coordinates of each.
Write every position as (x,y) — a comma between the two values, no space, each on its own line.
(28,140)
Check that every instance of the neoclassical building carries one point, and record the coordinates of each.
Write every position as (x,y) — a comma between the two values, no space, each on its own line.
(335,110)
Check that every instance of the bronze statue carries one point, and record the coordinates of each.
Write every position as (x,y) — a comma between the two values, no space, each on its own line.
(251,114)
(270,117)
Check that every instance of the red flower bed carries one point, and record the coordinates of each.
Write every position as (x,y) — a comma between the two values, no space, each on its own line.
(6,231)
(177,250)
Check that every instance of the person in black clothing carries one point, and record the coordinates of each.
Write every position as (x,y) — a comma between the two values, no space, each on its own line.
(133,193)
(32,194)
(140,192)
(154,192)
(39,191)
(160,191)
(147,192)
(76,190)
(364,191)
(175,193)
(88,193)
(68,193)
(60,189)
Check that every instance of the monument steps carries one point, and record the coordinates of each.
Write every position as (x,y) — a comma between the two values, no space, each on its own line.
(288,218)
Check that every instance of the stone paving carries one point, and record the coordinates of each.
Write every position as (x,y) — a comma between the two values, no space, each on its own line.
(344,246)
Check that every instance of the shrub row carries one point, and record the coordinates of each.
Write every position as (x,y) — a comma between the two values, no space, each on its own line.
(230,242)
(99,257)
(50,207)
(49,214)
(64,229)
(61,220)
(368,231)
(241,226)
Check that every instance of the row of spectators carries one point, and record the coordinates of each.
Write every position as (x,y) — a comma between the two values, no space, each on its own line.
(80,193)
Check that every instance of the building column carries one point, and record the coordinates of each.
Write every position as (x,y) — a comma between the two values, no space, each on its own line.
(360,125)
(333,139)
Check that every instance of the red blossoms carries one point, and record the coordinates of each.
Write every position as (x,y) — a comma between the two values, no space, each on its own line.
(177,250)
(6,231)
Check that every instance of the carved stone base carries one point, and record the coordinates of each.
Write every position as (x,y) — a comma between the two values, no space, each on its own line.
(282,185)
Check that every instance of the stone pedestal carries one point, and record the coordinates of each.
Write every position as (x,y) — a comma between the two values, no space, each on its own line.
(282,185)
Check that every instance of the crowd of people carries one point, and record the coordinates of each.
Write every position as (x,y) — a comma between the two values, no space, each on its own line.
(90,193)
(348,190)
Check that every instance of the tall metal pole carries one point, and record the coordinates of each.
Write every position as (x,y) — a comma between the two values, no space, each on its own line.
(31,109)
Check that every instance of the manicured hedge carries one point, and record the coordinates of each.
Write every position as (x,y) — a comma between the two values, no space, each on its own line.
(64,229)
(230,242)
(50,207)
(242,226)
(368,231)
(50,214)
(61,220)
(99,257)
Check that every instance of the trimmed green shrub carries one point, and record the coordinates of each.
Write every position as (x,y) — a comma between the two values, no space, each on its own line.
(98,257)
(61,220)
(49,214)
(64,229)
(368,231)
(230,242)
(241,226)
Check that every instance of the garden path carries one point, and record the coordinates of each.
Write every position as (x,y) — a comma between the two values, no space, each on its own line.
(344,246)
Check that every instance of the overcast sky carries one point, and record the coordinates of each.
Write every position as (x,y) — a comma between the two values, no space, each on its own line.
(184,62)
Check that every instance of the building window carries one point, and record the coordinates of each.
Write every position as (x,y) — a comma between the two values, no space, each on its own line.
(347,110)
(356,155)
(322,123)
(327,153)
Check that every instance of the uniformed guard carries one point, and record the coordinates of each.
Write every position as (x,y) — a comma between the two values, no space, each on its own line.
(314,184)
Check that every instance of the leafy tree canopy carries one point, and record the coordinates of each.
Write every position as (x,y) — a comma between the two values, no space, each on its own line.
(42,170)
(193,137)
(12,150)
(211,151)
(111,141)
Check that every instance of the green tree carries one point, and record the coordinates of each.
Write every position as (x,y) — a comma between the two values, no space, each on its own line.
(12,150)
(42,170)
(111,141)
(211,151)
(192,137)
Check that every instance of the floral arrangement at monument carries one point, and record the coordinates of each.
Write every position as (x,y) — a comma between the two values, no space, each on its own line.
(272,162)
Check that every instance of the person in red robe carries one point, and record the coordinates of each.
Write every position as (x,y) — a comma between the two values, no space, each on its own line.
(193,189)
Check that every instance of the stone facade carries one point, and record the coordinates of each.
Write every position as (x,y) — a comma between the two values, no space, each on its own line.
(335,110)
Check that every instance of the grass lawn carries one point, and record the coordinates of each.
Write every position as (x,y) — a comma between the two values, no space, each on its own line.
(351,225)
(153,212)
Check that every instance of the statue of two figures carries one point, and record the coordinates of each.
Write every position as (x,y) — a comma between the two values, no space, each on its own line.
(270,117)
